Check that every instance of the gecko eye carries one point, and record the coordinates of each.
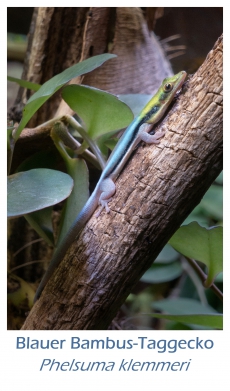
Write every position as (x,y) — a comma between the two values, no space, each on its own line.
(168,87)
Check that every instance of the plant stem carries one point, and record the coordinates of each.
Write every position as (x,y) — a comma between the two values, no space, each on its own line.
(203,277)
(71,121)
(89,156)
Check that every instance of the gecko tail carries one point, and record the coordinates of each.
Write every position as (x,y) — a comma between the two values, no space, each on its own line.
(72,235)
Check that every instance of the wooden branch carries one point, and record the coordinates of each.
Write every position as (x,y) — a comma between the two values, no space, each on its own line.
(157,189)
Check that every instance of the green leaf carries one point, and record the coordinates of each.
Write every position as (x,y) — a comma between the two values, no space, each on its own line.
(167,255)
(212,202)
(100,111)
(201,244)
(41,221)
(182,306)
(189,311)
(162,273)
(77,168)
(135,101)
(179,326)
(55,83)
(209,320)
(24,83)
(111,143)
(198,216)
(107,141)
(36,189)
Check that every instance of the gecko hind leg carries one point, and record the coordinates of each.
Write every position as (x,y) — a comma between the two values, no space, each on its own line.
(108,189)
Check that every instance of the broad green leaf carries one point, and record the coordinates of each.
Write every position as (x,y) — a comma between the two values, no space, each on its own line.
(41,221)
(194,312)
(208,320)
(111,143)
(198,216)
(162,273)
(100,111)
(201,244)
(36,189)
(77,168)
(167,255)
(107,142)
(24,83)
(55,83)
(135,101)
(182,306)
(172,325)
(212,202)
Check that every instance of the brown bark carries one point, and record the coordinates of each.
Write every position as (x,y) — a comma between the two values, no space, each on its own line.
(157,189)
(52,47)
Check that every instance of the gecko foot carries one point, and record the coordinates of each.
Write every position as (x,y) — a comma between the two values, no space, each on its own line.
(104,205)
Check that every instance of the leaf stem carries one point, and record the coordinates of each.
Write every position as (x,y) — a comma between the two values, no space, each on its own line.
(47,126)
(71,121)
(203,277)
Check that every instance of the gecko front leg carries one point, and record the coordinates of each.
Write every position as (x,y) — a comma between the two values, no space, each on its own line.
(108,189)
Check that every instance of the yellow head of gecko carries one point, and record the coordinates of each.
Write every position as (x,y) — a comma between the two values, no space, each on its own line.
(156,107)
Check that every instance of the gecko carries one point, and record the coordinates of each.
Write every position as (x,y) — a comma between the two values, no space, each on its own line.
(105,189)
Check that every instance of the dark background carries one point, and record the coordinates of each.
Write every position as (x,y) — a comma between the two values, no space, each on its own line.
(199,28)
